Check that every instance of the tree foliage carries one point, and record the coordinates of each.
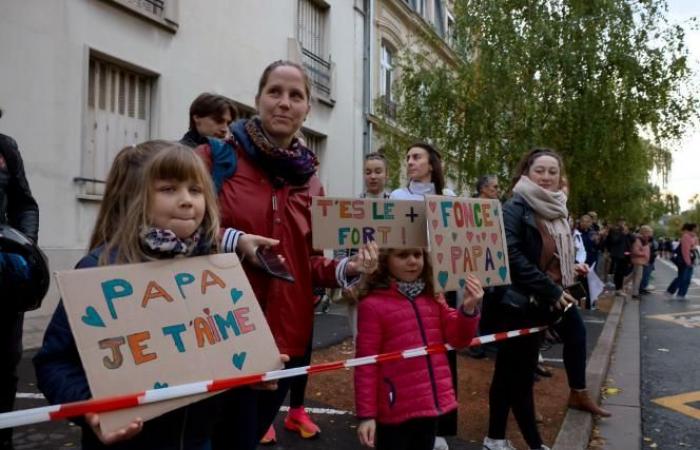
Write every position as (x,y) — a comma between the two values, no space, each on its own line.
(604,82)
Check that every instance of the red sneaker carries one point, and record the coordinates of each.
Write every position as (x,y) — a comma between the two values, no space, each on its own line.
(270,437)
(298,420)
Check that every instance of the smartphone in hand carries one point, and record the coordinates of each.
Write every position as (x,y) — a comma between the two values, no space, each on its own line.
(270,262)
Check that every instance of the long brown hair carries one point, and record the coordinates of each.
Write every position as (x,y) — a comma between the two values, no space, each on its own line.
(381,278)
(175,162)
(124,174)
(437,175)
(529,159)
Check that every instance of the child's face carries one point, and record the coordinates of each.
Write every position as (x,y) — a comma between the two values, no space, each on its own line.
(375,175)
(406,264)
(177,206)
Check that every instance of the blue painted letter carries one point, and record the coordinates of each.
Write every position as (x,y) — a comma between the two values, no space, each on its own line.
(175,331)
(113,289)
(183,279)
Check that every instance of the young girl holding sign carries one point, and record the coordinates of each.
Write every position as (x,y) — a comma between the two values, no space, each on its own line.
(399,402)
(172,213)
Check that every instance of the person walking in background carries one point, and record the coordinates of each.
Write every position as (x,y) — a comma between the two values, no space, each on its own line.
(19,210)
(210,116)
(684,258)
(618,244)
(639,257)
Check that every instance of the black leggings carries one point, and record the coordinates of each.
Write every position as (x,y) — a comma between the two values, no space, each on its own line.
(511,388)
(416,434)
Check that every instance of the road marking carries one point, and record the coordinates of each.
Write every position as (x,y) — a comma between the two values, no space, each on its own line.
(556,360)
(330,411)
(689,319)
(680,403)
(593,321)
(30,395)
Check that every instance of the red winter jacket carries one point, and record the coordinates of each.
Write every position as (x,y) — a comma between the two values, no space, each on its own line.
(249,203)
(393,392)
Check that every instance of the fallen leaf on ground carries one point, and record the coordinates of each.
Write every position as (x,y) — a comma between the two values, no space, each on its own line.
(611,391)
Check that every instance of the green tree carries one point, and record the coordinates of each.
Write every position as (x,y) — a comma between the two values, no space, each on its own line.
(604,82)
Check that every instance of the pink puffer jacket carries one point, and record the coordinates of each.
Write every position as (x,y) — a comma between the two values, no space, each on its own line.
(394,392)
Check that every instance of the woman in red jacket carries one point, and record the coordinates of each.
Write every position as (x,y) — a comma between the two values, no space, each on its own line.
(399,402)
(265,187)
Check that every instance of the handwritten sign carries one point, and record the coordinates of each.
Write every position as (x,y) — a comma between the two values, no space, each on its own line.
(350,222)
(157,324)
(466,236)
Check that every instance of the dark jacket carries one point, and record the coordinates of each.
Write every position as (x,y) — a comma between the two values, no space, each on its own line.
(17,206)
(618,244)
(61,378)
(524,251)
(193,139)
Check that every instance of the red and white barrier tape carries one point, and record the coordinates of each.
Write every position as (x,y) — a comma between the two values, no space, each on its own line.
(67,410)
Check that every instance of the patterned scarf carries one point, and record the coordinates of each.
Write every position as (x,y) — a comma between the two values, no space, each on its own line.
(411,289)
(163,243)
(295,165)
(551,207)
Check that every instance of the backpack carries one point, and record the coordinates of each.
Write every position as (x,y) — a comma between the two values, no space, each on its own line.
(223,161)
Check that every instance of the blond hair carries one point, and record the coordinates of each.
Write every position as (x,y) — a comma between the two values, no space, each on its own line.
(175,162)
(123,176)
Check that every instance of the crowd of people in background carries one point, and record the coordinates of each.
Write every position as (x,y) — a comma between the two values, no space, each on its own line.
(238,185)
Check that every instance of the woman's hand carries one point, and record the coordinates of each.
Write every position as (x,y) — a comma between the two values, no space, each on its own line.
(365,261)
(113,437)
(564,302)
(473,294)
(249,243)
(582,269)
(366,432)
(271,385)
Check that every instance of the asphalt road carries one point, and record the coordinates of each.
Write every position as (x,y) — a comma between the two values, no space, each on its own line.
(670,365)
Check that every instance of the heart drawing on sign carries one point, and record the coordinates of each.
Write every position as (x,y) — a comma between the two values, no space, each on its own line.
(432,205)
(236,295)
(454,237)
(488,281)
(440,257)
(238,360)
(442,278)
(462,282)
(470,236)
(435,223)
(499,254)
(503,272)
(159,385)
(92,317)
(494,237)
(438,239)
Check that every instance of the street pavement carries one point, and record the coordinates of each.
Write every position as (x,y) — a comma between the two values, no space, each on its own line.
(339,427)
(670,366)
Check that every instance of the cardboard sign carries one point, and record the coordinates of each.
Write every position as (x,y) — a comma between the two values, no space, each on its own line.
(466,236)
(157,324)
(351,222)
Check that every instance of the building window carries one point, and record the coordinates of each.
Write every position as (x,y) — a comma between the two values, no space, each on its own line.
(439,18)
(312,35)
(386,80)
(118,114)
(163,12)
(316,143)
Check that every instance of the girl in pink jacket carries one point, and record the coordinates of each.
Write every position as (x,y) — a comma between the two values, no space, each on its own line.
(398,402)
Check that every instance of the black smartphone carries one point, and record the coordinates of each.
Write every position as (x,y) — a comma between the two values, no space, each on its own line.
(577,291)
(270,262)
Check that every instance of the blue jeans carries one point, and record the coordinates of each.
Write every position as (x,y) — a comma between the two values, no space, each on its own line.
(682,280)
(646,275)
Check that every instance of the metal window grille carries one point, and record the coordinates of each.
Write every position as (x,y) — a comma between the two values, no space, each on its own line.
(311,33)
(155,7)
(118,114)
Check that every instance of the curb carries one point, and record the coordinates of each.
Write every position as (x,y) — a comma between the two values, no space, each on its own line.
(575,431)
